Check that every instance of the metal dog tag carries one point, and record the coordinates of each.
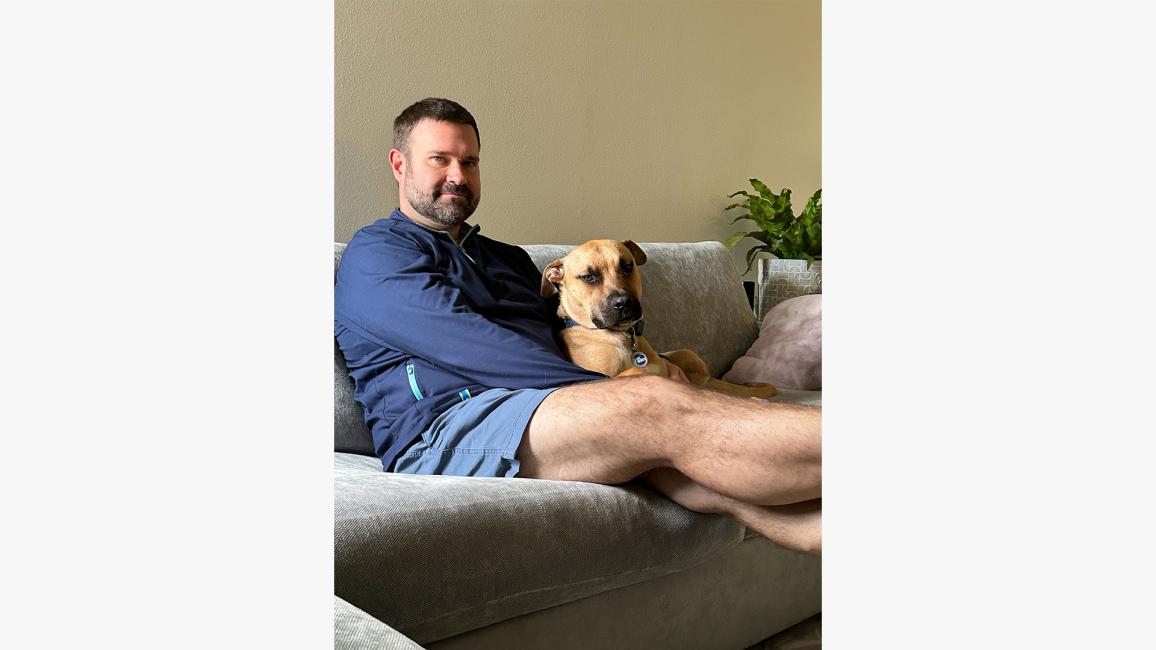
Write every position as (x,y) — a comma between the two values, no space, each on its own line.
(640,360)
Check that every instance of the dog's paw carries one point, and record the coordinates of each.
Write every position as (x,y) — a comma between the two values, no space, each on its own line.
(761,390)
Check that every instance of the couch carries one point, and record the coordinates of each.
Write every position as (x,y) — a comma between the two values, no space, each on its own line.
(450,562)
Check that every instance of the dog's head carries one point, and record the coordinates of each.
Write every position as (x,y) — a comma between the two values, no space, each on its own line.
(598,284)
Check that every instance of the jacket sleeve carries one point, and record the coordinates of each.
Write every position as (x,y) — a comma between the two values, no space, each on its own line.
(389,291)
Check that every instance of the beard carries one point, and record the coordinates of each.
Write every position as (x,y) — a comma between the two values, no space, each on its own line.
(457,205)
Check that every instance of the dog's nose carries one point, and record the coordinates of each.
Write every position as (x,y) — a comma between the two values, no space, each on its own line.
(620,302)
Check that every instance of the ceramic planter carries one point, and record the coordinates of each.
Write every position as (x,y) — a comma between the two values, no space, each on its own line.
(779,280)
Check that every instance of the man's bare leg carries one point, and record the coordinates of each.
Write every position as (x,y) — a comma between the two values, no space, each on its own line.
(796,526)
(613,431)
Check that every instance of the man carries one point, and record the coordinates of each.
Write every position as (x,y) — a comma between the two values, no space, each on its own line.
(454,360)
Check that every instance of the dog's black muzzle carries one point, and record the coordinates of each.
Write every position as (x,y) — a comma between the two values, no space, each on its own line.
(620,308)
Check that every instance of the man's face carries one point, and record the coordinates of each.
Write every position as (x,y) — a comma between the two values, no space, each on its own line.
(440,179)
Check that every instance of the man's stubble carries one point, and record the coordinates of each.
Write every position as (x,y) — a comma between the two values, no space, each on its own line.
(449,212)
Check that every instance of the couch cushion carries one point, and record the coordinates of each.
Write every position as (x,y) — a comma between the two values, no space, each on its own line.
(435,556)
(734,600)
(692,297)
(789,350)
(795,396)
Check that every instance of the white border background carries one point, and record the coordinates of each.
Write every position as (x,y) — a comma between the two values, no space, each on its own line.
(986,422)
(168,210)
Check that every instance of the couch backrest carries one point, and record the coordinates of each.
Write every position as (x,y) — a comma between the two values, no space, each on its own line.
(692,297)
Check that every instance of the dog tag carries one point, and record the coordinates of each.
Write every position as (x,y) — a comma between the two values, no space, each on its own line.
(640,360)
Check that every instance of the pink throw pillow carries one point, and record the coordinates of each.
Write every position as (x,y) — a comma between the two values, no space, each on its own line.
(789,350)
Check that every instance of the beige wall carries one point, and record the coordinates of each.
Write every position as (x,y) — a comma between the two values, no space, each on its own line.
(631,120)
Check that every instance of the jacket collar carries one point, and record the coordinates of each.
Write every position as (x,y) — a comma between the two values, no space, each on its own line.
(468,230)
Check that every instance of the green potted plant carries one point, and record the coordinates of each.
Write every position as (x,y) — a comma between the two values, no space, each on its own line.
(794,241)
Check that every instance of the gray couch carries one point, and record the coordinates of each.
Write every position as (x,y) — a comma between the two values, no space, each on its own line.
(449,562)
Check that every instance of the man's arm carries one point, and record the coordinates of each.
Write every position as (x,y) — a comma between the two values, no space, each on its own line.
(390,293)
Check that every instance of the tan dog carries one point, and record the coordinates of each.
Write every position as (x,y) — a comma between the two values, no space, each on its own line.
(599,291)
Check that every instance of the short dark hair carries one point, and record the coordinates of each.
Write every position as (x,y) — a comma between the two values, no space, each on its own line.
(434,108)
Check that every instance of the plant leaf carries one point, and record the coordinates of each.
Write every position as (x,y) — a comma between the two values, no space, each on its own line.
(813,231)
(782,234)
(734,239)
(751,258)
(762,188)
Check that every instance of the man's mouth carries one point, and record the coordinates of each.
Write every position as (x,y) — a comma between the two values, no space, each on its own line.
(455,193)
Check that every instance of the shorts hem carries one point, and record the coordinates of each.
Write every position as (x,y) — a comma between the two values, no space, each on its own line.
(507,464)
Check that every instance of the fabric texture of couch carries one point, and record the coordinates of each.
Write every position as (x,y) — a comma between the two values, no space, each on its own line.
(451,562)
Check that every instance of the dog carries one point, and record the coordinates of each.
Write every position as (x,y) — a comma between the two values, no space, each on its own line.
(599,292)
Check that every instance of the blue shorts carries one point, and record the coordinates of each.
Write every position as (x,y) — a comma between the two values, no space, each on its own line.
(477,437)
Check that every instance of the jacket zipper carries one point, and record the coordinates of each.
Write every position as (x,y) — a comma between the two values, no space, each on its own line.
(413,381)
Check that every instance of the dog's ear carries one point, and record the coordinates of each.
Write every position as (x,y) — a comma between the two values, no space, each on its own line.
(550,275)
(639,256)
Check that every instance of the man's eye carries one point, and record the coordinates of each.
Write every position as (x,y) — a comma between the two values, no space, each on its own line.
(438,158)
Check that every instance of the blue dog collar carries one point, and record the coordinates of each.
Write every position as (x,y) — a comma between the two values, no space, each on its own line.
(636,329)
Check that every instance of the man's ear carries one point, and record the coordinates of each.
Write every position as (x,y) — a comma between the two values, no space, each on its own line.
(639,256)
(397,163)
(551,275)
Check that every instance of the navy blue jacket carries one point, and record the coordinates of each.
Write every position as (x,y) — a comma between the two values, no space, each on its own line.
(424,323)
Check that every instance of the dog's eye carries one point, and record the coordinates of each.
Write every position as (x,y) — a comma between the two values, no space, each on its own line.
(627,268)
(588,279)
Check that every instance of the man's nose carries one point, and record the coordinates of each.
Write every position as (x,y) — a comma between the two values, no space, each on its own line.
(456,174)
